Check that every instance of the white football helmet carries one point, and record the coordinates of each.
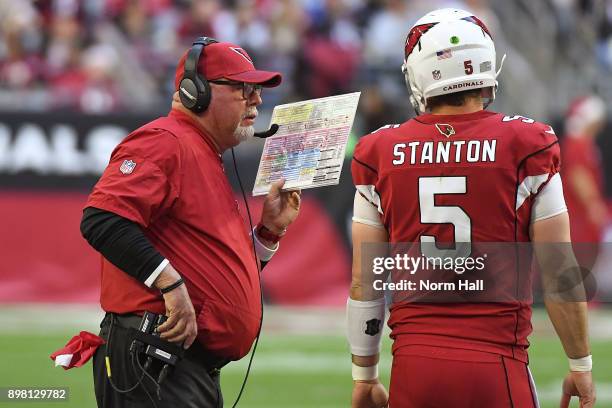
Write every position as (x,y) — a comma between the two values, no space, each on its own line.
(447,51)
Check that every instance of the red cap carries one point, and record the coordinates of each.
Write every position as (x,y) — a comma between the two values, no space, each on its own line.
(229,61)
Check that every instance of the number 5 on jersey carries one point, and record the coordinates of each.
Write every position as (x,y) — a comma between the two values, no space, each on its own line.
(455,215)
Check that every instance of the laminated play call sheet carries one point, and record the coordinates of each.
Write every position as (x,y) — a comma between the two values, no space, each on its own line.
(308,149)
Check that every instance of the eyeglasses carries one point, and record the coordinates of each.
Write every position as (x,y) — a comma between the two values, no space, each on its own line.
(247,88)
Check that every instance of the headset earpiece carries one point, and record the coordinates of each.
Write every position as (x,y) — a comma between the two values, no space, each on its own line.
(194,89)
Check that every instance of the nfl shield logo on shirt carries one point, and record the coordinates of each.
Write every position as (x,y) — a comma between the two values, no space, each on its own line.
(127,166)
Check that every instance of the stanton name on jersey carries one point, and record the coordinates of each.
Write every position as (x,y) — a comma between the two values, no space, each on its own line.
(456,151)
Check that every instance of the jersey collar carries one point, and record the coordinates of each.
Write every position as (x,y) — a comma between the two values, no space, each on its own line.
(429,118)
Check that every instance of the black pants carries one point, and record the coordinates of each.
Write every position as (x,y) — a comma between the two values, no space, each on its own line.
(192,383)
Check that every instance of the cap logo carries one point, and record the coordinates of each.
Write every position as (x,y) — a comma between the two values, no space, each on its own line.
(127,167)
(242,53)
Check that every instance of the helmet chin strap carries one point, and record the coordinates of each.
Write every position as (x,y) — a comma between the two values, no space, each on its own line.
(494,89)
(501,65)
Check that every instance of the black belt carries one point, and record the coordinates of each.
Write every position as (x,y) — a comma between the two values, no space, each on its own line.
(196,352)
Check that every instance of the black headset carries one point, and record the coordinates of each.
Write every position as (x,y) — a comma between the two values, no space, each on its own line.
(194,89)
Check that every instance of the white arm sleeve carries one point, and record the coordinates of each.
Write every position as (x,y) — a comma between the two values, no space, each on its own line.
(549,201)
(365,212)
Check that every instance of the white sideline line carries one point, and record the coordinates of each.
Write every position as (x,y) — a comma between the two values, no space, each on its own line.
(50,318)
(310,321)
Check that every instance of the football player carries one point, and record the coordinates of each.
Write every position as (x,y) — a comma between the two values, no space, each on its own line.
(459,174)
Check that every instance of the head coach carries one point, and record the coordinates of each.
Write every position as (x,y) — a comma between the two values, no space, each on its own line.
(173,241)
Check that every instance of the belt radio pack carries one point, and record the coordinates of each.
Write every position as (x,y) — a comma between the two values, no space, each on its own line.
(147,341)
(146,345)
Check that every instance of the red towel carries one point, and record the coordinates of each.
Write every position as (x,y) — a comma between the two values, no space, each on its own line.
(77,351)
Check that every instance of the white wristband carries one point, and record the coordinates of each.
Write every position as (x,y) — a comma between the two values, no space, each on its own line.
(364,325)
(364,373)
(581,364)
(151,279)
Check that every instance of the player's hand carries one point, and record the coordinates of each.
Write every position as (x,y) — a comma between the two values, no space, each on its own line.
(280,208)
(578,384)
(181,325)
(369,394)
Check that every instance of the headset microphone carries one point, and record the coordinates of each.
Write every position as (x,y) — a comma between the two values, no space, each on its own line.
(267,133)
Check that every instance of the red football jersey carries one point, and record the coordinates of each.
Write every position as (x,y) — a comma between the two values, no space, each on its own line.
(458,178)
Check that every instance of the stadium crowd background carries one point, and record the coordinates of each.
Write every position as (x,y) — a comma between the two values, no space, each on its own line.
(103,56)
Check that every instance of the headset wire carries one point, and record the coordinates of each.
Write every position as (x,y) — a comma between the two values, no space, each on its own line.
(246,204)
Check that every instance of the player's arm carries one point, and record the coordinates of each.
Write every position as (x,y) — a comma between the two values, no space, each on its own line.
(363,306)
(566,307)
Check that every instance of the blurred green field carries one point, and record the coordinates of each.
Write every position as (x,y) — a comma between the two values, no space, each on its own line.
(290,370)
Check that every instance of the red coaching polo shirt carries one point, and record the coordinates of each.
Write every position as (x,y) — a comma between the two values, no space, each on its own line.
(167,177)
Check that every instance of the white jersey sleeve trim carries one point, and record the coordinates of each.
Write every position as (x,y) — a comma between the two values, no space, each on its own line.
(369,192)
(529,186)
(364,212)
(550,201)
